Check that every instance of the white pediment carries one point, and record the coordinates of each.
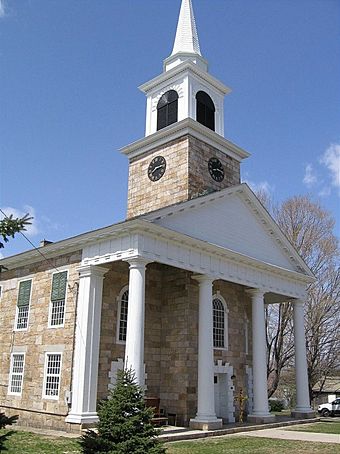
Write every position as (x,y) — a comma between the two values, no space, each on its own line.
(233,219)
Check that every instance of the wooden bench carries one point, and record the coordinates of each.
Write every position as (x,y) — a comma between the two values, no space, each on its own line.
(158,418)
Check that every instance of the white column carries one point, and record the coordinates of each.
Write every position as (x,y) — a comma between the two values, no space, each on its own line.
(206,416)
(134,348)
(86,351)
(260,411)
(303,408)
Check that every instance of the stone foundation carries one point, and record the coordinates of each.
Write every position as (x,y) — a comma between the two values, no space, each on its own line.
(261,419)
(28,418)
(303,414)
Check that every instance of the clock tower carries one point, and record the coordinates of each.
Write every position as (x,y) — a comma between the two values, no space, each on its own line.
(184,153)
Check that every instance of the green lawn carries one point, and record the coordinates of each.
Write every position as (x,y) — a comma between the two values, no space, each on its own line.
(319,427)
(28,443)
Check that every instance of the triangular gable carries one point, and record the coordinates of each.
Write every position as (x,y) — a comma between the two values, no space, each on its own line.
(234,219)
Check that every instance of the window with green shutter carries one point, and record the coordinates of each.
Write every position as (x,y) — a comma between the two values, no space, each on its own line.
(23,305)
(24,293)
(57,306)
(59,286)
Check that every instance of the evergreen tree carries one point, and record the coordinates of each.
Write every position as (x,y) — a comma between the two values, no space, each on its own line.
(124,425)
(5,421)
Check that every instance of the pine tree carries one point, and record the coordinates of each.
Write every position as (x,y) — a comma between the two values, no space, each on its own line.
(6,421)
(124,425)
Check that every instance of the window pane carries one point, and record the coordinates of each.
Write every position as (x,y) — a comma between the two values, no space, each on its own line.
(17,373)
(57,312)
(218,324)
(22,317)
(52,381)
(123,316)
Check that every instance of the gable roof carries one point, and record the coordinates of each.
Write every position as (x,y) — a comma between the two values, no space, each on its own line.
(234,219)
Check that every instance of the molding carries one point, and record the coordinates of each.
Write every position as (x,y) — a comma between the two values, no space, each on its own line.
(186,66)
(182,128)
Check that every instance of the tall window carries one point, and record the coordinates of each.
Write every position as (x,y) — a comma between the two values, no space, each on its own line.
(58,294)
(52,375)
(220,323)
(16,373)
(205,110)
(23,304)
(167,109)
(123,302)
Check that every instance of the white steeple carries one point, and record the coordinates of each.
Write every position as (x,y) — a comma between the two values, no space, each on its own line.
(185,74)
(186,45)
(186,35)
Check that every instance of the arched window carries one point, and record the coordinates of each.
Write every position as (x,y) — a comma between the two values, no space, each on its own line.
(167,109)
(220,322)
(123,301)
(205,110)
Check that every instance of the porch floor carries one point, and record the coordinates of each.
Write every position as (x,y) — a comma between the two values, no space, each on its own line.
(175,433)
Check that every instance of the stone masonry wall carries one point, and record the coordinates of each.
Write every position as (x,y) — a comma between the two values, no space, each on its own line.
(145,195)
(171,335)
(186,176)
(32,408)
(200,180)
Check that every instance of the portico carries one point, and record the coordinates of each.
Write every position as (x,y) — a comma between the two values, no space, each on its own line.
(149,246)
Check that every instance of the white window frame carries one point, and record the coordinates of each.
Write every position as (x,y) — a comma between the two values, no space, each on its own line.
(50,306)
(119,307)
(218,296)
(17,308)
(13,393)
(44,395)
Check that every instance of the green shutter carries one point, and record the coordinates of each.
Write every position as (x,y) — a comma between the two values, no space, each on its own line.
(24,293)
(59,286)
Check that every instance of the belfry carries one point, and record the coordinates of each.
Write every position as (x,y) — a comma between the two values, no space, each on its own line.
(176,292)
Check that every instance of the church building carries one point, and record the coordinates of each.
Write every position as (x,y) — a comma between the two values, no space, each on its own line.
(177,291)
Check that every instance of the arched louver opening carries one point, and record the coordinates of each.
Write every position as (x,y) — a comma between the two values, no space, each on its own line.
(205,110)
(167,109)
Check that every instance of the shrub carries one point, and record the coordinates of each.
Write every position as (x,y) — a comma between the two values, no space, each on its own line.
(6,421)
(276,405)
(124,425)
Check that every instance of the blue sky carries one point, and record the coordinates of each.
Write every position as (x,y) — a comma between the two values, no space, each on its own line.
(69,72)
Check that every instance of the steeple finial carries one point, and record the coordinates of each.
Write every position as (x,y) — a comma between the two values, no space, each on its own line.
(186,35)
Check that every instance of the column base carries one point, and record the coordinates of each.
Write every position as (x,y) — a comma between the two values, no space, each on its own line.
(201,424)
(303,414)
(83,418)
(261,419)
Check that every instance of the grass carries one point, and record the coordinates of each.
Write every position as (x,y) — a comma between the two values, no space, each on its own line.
(29,443)
(250,445)
(319,427)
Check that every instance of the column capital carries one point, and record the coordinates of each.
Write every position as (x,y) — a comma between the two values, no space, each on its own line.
(256,292)
(203,278)
(91,270)
(137,261)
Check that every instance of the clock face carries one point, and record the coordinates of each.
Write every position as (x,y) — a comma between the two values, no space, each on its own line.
(157,168)
(216,169)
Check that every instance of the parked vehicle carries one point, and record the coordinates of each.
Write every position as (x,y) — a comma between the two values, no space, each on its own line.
(331,409)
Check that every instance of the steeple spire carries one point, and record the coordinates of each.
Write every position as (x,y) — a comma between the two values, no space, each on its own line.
(186,46)
(186,36)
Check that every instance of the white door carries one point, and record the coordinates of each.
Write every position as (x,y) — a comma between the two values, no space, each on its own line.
(221,396)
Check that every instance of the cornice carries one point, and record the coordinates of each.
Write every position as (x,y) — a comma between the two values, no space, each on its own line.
(145,227)
(187,126)
(180,69)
